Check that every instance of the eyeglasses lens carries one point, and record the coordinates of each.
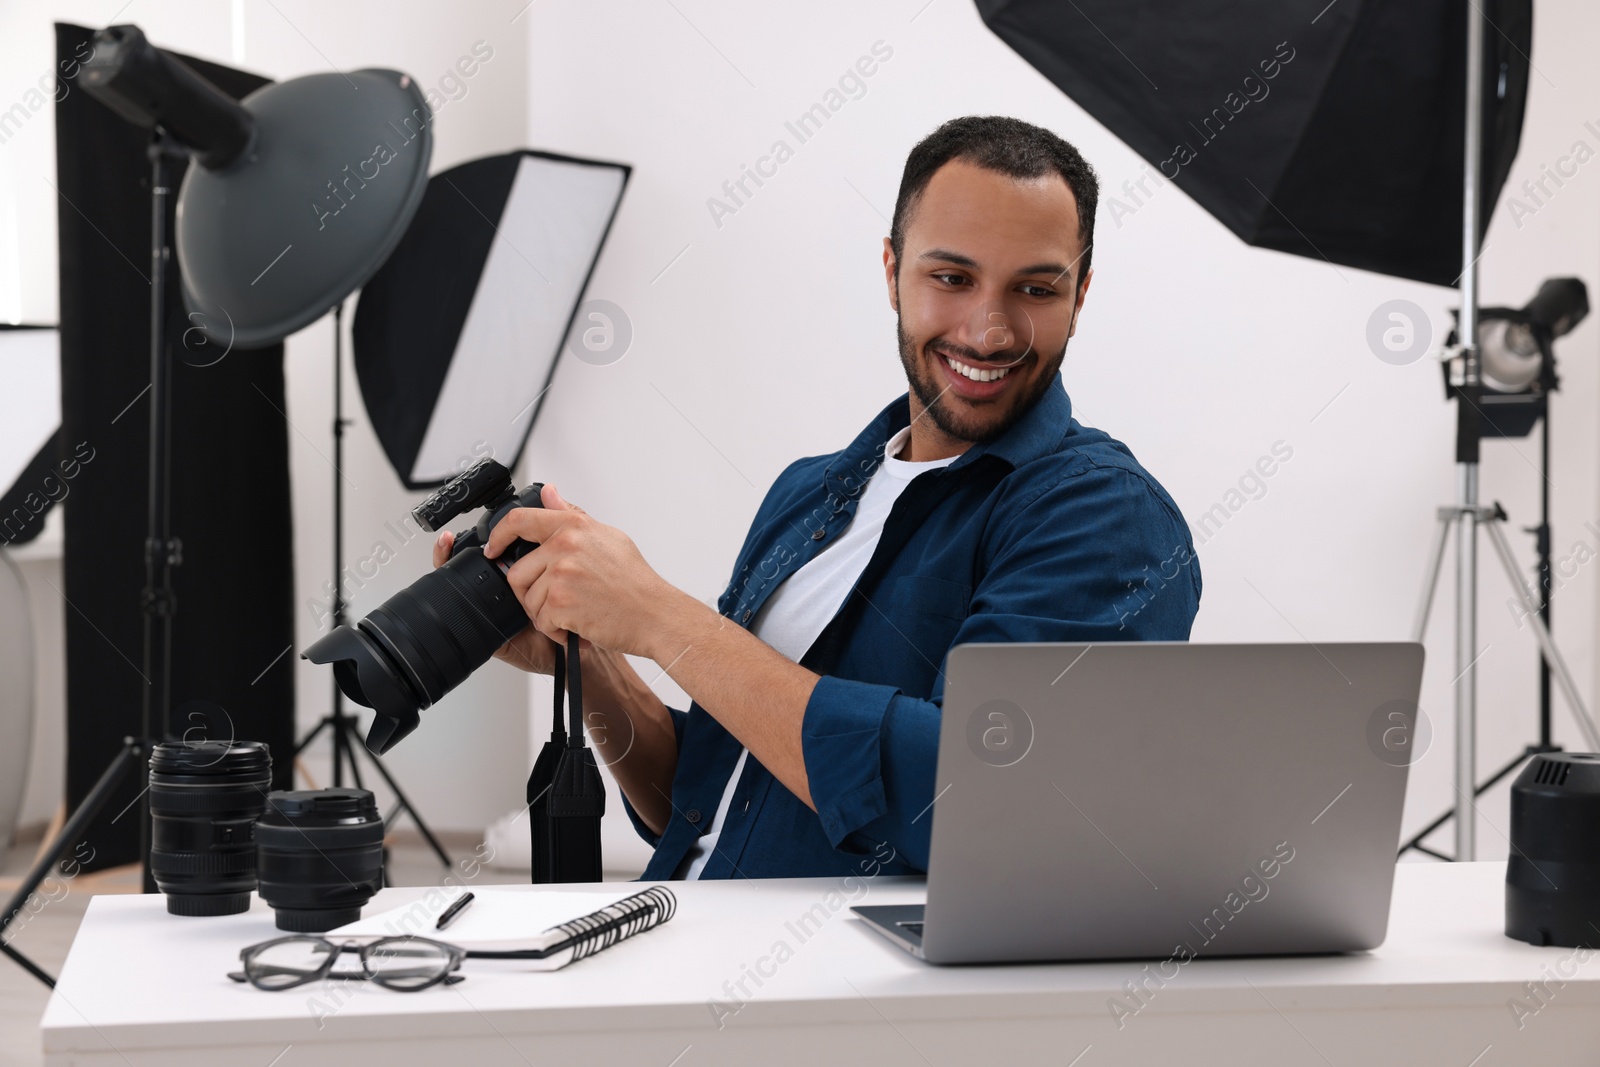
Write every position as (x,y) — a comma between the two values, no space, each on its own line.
(406,964)
(288,962)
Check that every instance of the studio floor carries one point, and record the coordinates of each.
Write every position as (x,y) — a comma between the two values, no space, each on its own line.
(47,935)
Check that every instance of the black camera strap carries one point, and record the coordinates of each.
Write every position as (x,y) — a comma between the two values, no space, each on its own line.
(575,690)
(566,795)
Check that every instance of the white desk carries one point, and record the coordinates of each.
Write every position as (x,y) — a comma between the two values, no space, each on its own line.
(144,988)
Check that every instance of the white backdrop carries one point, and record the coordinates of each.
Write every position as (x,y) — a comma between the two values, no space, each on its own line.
(764,333)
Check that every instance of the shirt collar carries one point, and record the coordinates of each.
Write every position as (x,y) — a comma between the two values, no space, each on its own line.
(1034,435)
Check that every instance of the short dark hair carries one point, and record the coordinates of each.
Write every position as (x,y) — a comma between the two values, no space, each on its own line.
(1007,146)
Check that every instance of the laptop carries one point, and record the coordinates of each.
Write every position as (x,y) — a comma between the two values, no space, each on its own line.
(1164,799)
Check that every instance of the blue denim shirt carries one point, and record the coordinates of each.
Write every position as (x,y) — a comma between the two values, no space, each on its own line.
(1050,532)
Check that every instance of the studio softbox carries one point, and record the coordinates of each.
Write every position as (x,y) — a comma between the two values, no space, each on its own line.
(1326,130)
(456,337)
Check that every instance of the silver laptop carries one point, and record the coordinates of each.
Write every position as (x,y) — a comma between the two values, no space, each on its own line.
(1164,799)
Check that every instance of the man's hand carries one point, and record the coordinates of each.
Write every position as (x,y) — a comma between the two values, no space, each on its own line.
(585,577)
(530,650)
(589,578)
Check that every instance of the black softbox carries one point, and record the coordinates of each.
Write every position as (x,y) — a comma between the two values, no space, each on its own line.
(231,674)
(1326,130)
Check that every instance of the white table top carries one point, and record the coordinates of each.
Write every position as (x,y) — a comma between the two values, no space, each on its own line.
(140,979)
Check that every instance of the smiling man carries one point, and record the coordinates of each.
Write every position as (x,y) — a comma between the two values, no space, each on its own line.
(974,507)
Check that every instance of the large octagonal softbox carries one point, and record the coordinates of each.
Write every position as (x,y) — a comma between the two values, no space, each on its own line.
(457,336)
(1326,130)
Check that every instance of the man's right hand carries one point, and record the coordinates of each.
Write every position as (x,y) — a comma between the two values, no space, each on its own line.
(530,650)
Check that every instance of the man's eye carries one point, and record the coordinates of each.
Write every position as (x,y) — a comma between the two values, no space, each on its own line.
(1038,290)
(950,279)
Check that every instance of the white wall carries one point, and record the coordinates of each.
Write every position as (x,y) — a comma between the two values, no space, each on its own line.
(769,336)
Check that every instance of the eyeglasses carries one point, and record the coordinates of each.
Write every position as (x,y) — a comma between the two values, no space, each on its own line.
(406,964)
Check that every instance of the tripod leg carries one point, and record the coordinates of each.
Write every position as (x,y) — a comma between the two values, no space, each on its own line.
(352,742)
(1417,838)
(433,842)
(88,811)
(1431,582)
(28,965)
(306,740)
(1547,645)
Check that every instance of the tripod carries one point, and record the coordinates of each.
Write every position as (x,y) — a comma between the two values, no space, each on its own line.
(1465,521)
(162,552)
(1536,407)
(340,725)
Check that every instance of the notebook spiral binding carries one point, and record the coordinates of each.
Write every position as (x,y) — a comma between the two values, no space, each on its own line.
(631,915)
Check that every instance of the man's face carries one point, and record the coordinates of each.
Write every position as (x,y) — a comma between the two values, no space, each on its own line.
(989,279)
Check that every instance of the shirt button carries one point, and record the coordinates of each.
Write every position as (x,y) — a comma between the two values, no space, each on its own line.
(693,815)
(746,616)
(817,535)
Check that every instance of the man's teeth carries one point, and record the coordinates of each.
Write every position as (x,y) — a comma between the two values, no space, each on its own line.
(974,373)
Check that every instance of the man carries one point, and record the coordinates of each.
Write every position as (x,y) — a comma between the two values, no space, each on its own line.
(973,508)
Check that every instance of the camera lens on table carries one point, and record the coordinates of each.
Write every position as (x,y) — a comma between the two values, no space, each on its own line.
(205,797)
(319,856)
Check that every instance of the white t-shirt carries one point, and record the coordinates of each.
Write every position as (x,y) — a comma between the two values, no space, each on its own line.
(795,614)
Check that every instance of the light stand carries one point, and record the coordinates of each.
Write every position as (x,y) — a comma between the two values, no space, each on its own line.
(162,552)
(1521,411)
(341,726)
(242,208)
(1467,515)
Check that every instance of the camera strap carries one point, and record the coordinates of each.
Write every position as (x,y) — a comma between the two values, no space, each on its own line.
(560,732)
(566,795)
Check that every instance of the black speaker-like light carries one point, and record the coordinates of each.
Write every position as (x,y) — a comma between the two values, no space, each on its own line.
(1553,872)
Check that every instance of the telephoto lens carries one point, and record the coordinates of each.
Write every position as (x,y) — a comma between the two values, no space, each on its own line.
(205,797)
(427,638)
(320,856)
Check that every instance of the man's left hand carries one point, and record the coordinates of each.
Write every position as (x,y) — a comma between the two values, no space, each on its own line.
(585,577)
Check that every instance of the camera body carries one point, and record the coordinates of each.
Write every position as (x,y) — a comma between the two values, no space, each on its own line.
(426,639)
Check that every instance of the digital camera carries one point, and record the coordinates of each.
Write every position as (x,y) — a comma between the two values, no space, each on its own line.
(423,642)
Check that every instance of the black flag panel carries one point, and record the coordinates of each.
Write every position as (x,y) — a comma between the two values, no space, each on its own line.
(231,677)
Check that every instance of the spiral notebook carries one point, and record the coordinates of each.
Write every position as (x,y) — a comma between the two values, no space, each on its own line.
(549,928)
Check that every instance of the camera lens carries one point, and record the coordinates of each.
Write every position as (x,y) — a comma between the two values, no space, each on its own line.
(423,642)
(320,856)
(205,797)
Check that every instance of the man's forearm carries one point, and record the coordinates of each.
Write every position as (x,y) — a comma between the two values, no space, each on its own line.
(752,689)
(632,733)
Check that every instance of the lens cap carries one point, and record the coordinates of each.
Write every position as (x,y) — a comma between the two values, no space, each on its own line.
(210,757)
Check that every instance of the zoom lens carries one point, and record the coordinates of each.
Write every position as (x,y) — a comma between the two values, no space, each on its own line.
(424,641)
(205,797)
(320,856)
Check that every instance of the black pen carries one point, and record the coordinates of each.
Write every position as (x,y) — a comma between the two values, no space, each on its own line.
(453,910)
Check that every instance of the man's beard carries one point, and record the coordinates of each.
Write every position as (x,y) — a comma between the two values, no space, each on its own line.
(947,416)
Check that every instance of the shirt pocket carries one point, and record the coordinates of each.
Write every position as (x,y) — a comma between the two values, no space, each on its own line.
(925,612)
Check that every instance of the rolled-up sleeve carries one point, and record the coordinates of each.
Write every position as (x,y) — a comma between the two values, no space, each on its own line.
(870,753)
(652,838)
